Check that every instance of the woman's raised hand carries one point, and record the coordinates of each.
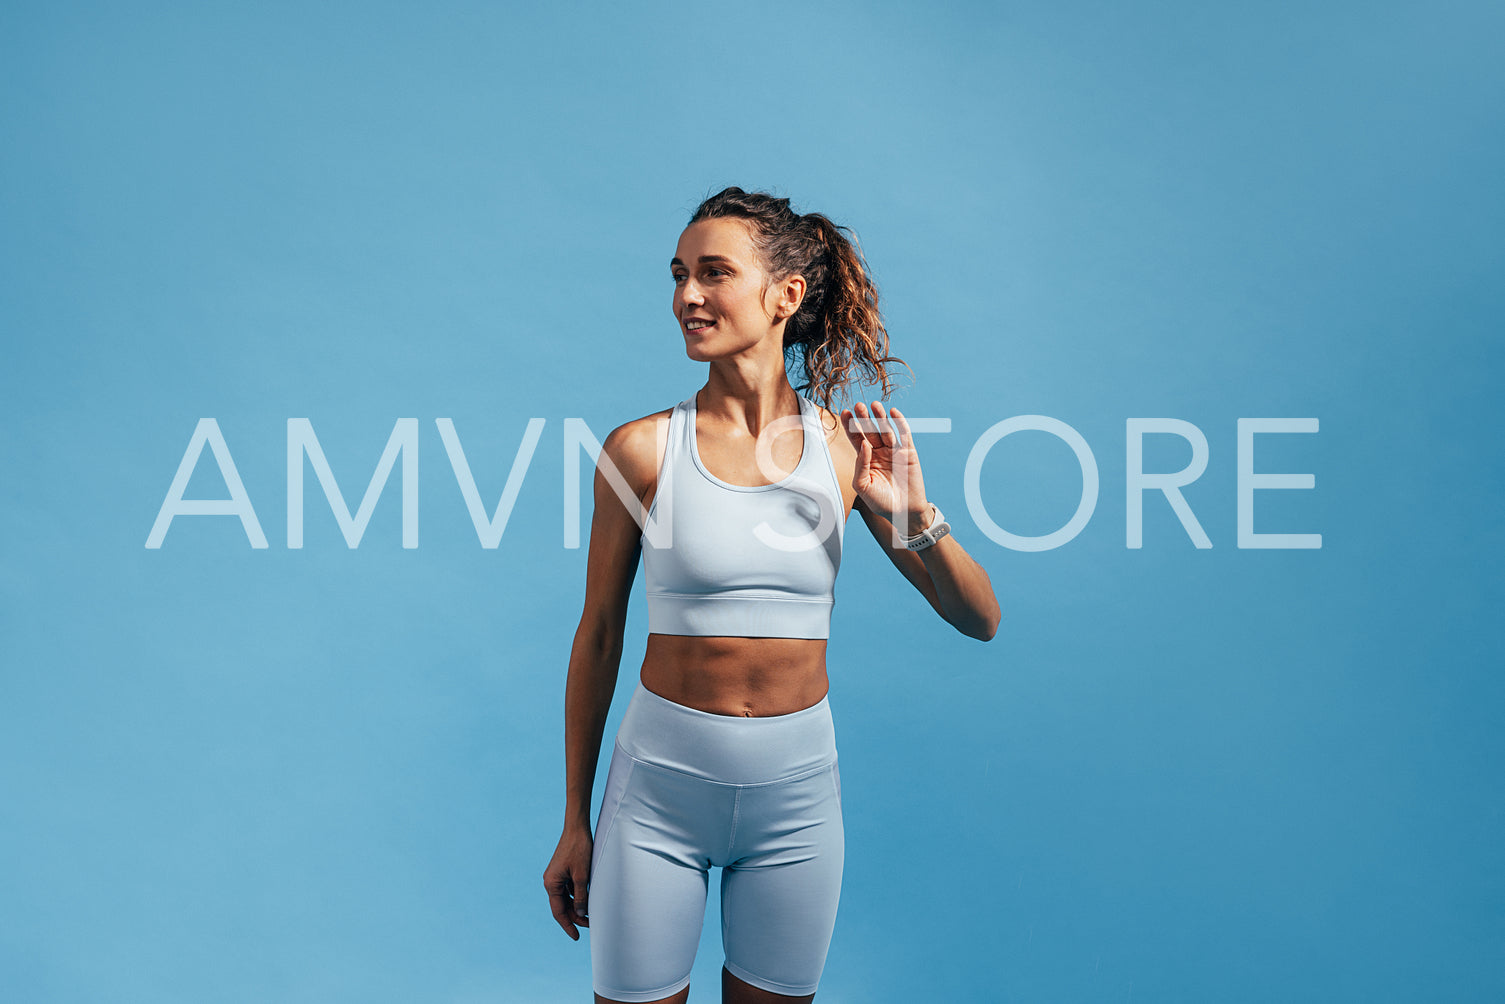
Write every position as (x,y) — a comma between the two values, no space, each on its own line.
(887,476)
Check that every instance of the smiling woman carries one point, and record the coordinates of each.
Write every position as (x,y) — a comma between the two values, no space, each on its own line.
(828,343)
(726,756)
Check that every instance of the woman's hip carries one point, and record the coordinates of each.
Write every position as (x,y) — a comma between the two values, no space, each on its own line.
(726,749)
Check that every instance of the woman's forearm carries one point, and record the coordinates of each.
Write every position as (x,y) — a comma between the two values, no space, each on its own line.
(963,588)
(594,660)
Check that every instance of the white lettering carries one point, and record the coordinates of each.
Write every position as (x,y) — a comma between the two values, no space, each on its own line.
(1248,482)
(973,477)
(1170,484)
(238,504)
(301,440)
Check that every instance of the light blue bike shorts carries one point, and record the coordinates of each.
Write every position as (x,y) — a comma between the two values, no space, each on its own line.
(760,798)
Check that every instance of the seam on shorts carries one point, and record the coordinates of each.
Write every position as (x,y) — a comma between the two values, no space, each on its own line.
(603,830)
(727,784)
(836,782)
(731,840)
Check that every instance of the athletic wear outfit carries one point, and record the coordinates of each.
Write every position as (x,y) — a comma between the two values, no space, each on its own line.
(758,797)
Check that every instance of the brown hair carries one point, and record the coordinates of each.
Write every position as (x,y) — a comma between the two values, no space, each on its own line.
(837,328)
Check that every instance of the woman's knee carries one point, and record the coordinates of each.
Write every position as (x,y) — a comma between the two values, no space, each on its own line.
(735,991)
(678,998)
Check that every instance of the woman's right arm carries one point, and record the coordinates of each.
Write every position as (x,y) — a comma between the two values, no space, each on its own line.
(611,566)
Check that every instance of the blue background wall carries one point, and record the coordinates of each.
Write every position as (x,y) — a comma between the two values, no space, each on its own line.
(327,774)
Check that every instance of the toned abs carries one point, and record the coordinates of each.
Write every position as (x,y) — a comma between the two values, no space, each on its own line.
(751,677)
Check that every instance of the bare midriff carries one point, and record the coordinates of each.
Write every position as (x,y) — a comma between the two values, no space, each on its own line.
(751,677)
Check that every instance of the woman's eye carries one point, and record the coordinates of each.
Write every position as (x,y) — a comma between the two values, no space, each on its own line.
(710,271)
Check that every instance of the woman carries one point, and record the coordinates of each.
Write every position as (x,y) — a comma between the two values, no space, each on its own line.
(739,495)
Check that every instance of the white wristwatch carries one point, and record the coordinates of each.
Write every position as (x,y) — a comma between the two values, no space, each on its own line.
(937,529)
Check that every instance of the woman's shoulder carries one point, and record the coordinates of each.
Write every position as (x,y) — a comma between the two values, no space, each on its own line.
(636,447)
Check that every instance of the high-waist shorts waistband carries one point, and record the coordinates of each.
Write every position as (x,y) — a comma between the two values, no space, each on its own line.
(727,749)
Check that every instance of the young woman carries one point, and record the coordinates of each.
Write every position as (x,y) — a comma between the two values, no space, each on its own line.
(739,495)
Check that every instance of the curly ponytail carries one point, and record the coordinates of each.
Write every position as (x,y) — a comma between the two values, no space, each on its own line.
(837,329)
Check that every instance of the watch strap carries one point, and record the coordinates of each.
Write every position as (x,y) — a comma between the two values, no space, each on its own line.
(929,536)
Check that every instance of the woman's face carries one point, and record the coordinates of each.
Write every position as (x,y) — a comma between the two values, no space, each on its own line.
(717,280)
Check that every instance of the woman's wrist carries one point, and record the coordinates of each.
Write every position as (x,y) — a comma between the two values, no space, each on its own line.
(915,520)
(935,530)
(577,814)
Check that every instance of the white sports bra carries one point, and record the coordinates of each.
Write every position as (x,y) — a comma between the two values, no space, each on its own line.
(743,560)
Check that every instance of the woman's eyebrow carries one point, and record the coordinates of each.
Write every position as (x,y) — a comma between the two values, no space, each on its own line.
(703,259)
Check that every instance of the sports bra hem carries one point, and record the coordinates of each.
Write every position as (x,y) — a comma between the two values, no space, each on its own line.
(761,597)
(740,616)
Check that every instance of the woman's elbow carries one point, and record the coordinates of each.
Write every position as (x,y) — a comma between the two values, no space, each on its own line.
(990,622)
(987,630)
(982,628)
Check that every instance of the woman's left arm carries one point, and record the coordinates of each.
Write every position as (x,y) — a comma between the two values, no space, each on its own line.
(945,574)
(889,490)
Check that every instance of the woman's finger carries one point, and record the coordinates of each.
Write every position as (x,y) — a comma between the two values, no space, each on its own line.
(867,425)
(886,432)
(848,425)
(559,904)
(905,437)
(582,903)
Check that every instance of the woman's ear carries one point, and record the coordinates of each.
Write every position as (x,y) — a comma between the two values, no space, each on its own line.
(791,295)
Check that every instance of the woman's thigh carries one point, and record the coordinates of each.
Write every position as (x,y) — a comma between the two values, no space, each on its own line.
(648,878)
(779,895)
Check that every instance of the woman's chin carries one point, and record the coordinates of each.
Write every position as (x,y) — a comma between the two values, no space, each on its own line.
(700,353)
(704,352)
